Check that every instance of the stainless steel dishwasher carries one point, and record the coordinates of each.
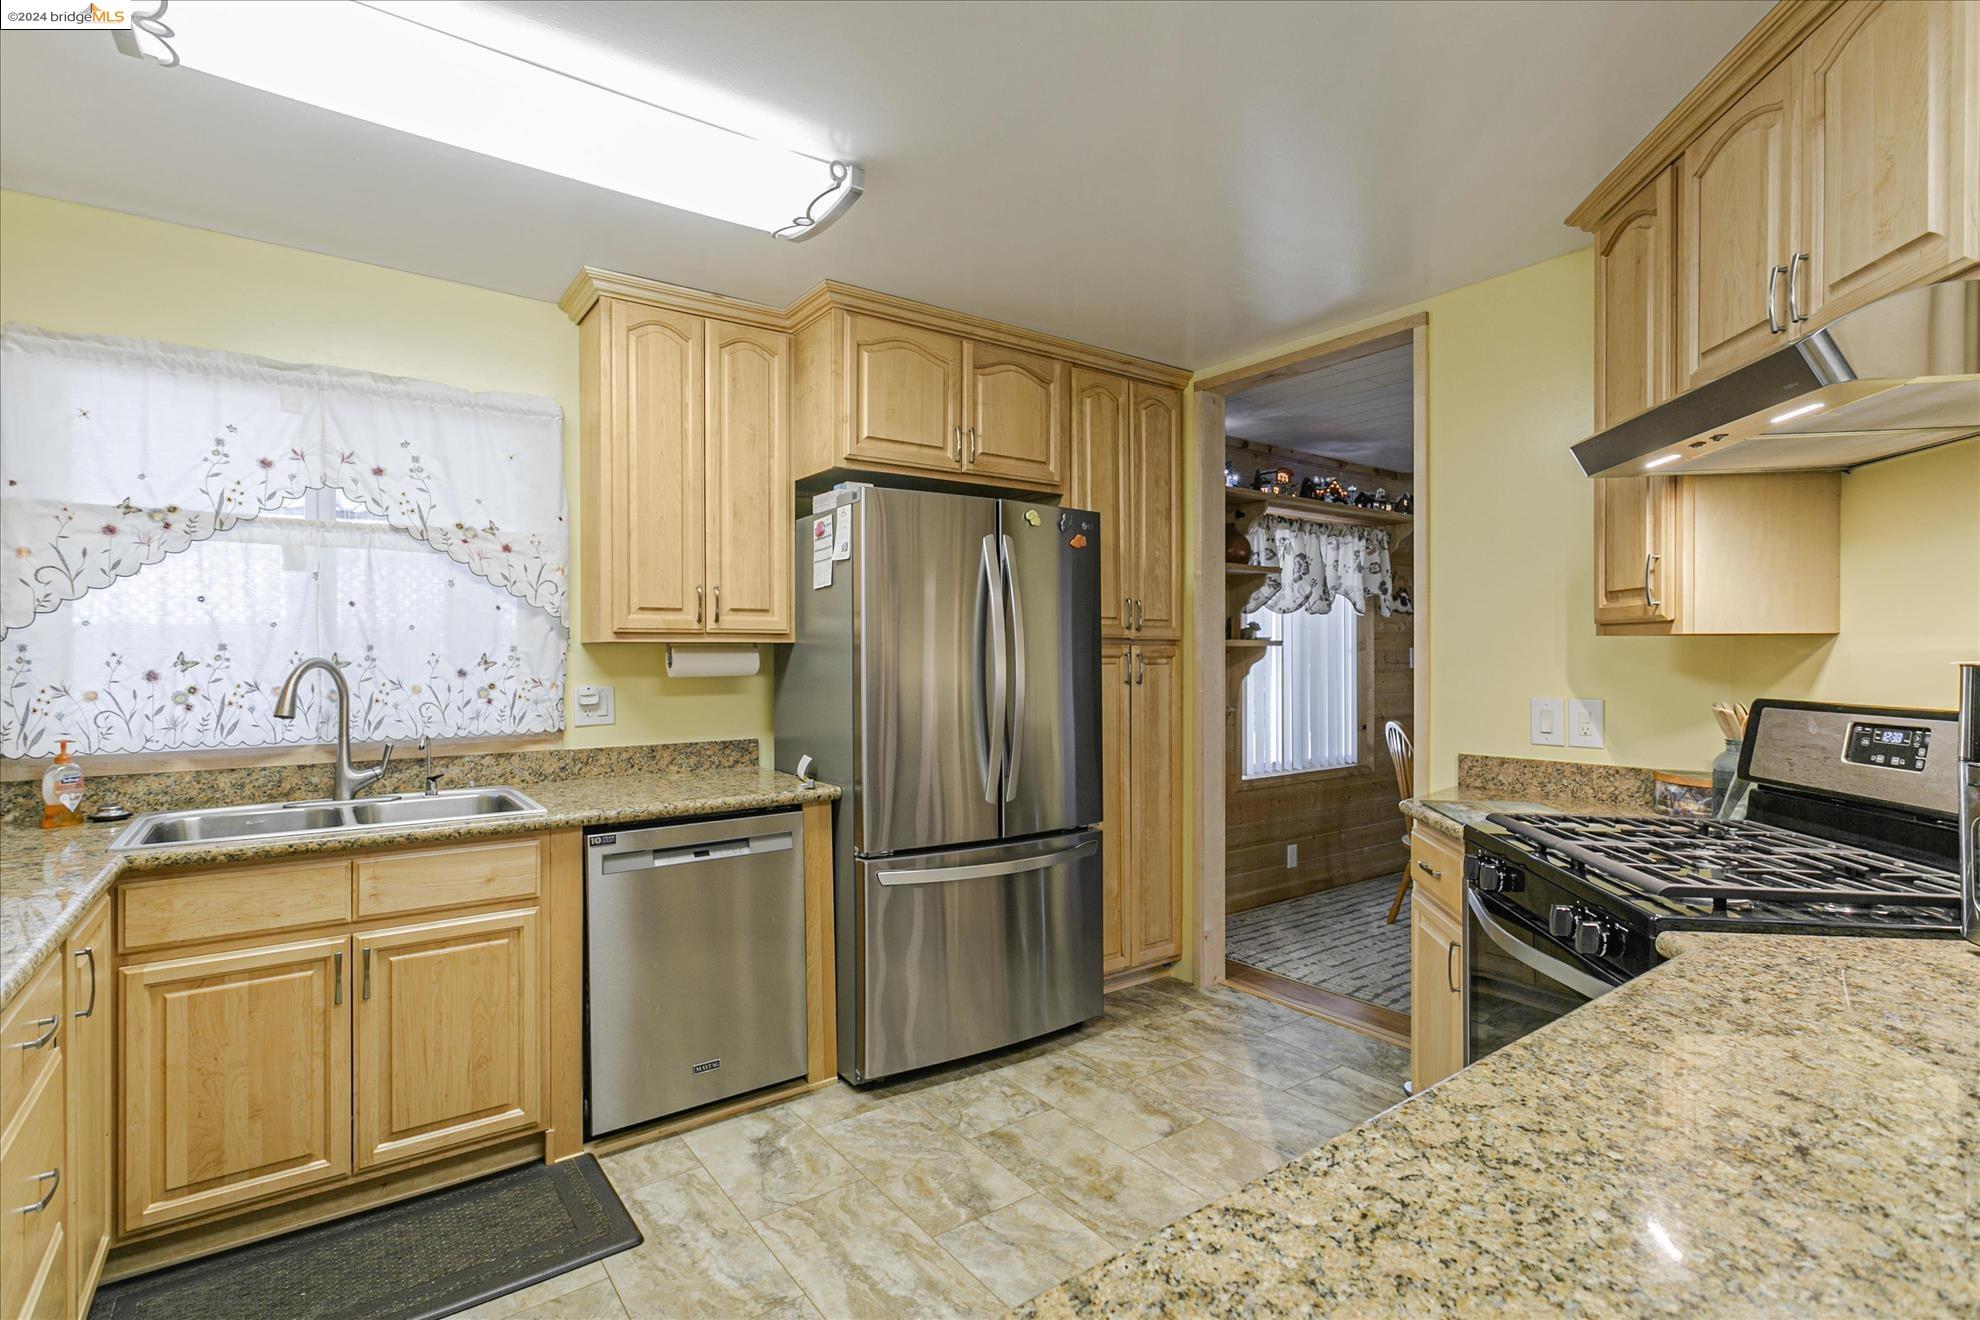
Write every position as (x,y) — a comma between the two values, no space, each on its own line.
(694,965)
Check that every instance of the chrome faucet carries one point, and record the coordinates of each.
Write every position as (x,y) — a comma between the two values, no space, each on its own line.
(349,780)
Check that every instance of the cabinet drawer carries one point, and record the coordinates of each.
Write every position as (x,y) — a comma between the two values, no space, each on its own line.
(448,877)
(1436,864)
(35,1013)
(35,1279)
(184,909)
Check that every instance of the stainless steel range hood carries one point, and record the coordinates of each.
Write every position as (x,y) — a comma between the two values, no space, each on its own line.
(1898,375)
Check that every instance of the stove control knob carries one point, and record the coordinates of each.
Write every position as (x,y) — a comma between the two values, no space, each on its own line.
(1497,876)
(1595,938)
(1560,921)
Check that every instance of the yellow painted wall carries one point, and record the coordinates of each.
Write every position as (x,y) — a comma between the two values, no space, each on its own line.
(1507,570)
(81,269)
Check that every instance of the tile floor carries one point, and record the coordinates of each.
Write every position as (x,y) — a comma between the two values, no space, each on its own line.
(973,1188)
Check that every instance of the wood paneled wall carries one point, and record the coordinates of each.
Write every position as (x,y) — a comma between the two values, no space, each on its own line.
(1346,822)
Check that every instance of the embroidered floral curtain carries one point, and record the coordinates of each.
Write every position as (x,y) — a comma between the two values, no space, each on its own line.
(1318,562)
(181,526)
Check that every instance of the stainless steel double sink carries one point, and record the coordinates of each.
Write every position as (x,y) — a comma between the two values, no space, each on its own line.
(280,820)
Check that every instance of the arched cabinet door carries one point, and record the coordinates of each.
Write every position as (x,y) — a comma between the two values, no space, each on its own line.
(1155,412)
(652,458)
(906,395)
(1101,480)
(1016,411)
(749,472)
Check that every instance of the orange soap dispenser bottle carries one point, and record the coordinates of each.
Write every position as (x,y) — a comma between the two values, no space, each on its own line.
(62,791)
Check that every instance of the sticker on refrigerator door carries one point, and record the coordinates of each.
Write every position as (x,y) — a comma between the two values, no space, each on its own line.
(842,533)
(1031,517)
(1078,541)
(821,552)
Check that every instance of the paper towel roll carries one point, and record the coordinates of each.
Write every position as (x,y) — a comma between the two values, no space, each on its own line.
(712,661)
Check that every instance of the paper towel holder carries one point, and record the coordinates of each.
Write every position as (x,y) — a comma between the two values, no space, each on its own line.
(736,660)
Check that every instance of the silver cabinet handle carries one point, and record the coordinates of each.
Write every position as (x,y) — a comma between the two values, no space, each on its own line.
(975,445)
(959,446)
(1127,668)
(89,956)
(51,1023)
(1450,978)
(718,603)
(367,973)
(1017,677)
(1649,592)
(1795,315)
(983,870)
(1127,612)
(54,1180)
(1774,274)
(1140,667)
(1429,870)
(337,974)
(697,605)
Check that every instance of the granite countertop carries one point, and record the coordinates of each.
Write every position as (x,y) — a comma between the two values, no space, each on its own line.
(1449,810)
(48,877)
(1764,1125)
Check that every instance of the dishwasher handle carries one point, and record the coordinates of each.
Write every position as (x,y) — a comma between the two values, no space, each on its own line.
(688,854)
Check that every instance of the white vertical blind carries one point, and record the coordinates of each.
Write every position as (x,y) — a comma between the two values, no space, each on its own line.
(1300,708)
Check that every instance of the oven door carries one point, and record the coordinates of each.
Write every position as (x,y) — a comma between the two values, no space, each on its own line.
(1518,978)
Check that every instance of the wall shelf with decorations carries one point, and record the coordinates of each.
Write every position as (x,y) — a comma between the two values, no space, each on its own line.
(1239,500)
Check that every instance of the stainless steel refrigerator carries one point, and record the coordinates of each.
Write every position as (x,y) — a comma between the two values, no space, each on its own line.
(946,675)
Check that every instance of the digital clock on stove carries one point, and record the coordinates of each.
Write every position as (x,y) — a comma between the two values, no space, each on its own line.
(1889,746)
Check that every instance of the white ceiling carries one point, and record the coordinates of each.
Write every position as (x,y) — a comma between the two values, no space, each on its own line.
(1359,411)
(1187,181)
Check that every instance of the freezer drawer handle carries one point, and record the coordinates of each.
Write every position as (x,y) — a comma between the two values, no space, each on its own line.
(647,859)
(984,870)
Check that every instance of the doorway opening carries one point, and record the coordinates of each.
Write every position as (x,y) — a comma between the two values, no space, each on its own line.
(1321,631)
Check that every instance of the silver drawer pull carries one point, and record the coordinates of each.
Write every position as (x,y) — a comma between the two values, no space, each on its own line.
(51,1023)
(54,1180)
(1429,870)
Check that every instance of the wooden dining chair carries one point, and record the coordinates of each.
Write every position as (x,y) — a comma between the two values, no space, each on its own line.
(1402,754)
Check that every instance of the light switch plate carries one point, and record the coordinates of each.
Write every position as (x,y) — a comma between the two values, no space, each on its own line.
(1549,721)
(593,705)
(1584,722)
(1292,856)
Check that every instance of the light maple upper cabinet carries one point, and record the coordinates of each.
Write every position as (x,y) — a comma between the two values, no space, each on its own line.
(448,1041)
(1886,113)
(1103,480)
(236,1077)
(1634,550)
(685,480)
(749,472)
(1635,294)
(1126,466)
(1735,204)
(1016,414)
(907,396)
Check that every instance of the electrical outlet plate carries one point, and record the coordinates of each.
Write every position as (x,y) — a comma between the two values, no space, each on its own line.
(1292,856)
(1584,722)
(593,705)
(1549,723)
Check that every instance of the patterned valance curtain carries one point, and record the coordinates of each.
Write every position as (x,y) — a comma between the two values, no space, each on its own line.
(1317,562)
(413,532)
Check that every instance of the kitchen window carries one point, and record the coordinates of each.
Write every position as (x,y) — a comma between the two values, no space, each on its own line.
(1301,705)
(184,526)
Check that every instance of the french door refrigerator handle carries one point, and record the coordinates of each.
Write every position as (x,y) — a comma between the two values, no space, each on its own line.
(1519,950)
(983,870)
(1017,680)
(997,681)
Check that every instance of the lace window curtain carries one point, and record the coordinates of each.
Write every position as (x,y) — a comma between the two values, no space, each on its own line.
(181,526)
(1317,562)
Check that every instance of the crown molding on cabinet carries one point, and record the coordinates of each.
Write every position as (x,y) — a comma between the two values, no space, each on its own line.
(1772,39)
(591,284)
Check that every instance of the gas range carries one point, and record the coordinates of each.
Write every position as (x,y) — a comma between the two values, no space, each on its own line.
(1842,821)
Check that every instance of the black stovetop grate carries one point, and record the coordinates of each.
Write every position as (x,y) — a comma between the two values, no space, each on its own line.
(1726,861)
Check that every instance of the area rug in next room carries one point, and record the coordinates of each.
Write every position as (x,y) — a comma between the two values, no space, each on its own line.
(1337,939)
(425,1257)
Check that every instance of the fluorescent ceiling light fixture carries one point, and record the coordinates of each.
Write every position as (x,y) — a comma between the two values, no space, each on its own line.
(1793,413)
(1659,462)
(364,62)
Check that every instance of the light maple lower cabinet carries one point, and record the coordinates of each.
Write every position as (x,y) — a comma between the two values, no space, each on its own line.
(448,1040)
(92,1098)
(1141,724)
(237,1080)
(1436,992)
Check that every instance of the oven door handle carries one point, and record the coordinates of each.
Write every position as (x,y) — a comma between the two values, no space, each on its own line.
(1513,947)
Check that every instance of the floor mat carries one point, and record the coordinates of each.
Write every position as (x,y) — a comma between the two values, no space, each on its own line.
(1337,939)
(428,1256)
